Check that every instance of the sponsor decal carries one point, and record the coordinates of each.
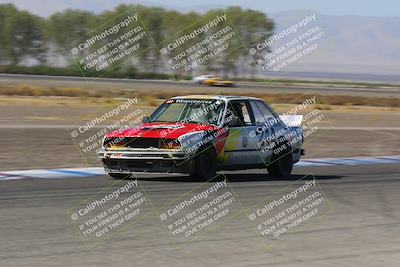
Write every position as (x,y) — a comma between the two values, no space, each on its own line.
(244,141)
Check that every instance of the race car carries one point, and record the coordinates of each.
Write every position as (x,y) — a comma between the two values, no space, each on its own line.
(200,135)
(200,79)
(218,82)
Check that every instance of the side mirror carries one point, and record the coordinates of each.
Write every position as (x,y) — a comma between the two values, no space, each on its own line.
(235,122)
(145,119)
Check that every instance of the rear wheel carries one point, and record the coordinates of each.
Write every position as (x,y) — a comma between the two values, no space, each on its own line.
(119,176)
(205,163)
(282,165)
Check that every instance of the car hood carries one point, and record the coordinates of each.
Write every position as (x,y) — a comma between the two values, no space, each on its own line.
(161,130)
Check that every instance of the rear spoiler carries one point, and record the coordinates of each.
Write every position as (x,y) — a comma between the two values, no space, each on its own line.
(292,120)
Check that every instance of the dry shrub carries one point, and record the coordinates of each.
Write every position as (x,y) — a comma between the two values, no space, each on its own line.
(152,97)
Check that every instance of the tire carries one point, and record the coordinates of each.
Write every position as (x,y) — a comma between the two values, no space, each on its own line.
(119,176)
(282,165)
(205,164)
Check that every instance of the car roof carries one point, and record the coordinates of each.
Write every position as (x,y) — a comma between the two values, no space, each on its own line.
(220,97)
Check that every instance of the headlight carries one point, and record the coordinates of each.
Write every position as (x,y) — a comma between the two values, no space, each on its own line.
(114,142)
(170,144)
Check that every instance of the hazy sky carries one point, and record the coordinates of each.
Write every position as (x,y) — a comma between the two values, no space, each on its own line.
(330,7)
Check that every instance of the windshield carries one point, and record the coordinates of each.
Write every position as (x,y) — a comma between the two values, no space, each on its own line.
(201,111)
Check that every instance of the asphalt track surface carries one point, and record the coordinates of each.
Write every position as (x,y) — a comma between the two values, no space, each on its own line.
(165,85)
(363,229)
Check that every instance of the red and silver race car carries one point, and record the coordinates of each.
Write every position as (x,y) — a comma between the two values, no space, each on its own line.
(199,135)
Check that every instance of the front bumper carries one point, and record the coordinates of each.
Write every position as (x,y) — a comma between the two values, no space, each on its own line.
(145,160)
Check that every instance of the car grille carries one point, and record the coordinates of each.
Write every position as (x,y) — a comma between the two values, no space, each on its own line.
(136,142)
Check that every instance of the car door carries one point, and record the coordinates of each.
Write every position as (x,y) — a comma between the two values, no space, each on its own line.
(264,132)
(240,148)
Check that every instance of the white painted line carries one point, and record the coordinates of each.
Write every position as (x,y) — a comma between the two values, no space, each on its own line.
(349,161)
(52,173)
(98,171)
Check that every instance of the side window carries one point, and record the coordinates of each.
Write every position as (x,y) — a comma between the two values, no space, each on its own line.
(240,110)
(264,110)
(258,116)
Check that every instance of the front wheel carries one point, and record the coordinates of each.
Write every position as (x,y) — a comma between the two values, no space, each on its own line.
(205,163)
(282,166)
